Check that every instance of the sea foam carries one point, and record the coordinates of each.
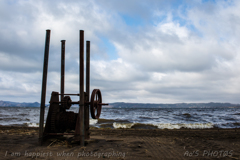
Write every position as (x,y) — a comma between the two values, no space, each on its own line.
(93,121)
(184,125)
(122,125)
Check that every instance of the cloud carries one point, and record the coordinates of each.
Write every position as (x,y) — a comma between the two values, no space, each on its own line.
(178,52)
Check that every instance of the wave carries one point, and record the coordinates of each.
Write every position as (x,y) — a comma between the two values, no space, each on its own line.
(93,121)
(122,125)
(163,125)
(184,125)
(144,117)
(236,124)
(104,121)
(236,114)
(187,115)
(144,126)
(13,119)
(32,124)
(23,114)
(229,125)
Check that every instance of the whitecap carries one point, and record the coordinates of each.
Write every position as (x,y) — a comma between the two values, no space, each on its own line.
(184,125)
(122,125)
(93,121)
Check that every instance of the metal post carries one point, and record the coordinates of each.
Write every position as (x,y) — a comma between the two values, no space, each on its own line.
(62,67)
(86,109)
(88,68)
(81,89)
(44,84)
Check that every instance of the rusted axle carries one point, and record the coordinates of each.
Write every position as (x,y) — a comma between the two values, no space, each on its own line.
(77,102)
(69,94)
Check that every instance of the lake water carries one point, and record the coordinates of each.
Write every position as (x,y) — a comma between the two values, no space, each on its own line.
(151,118)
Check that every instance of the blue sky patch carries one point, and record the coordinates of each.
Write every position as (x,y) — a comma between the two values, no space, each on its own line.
(133,20)
(109,48)
(208,1)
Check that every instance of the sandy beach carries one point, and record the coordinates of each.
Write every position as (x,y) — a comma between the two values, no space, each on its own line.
(22,143)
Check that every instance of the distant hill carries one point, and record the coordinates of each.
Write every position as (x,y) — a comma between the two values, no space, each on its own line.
(135,105)
(16,104)
(177,105)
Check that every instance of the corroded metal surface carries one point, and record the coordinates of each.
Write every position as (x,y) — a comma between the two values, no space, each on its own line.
(96,103)
(44,84)
(87,95)
(62,66)
(59,120)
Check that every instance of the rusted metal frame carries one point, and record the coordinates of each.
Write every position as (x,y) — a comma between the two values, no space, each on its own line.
(44,84)
(80,130)
(88,69)
(62,67)
(69,94)
(86,109)
(77,102)
(53,109)
(65,102)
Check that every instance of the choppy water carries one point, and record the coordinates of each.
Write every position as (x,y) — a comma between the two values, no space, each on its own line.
(171,118)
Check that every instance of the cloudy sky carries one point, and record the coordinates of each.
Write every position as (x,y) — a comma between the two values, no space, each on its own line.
(146,51)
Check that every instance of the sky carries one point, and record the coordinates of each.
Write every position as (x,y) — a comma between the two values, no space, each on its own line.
(142,51)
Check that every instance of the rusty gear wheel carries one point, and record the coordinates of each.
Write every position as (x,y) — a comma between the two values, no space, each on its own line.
(67,102)
(96,103)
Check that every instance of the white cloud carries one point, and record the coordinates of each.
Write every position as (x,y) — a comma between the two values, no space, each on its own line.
(163,61)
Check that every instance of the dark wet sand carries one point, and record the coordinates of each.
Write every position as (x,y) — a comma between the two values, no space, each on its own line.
(22,143)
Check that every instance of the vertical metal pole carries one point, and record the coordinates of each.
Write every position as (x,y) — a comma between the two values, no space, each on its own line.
(86,109)
(62,67)
(88,68)
(44,84)
(81,89)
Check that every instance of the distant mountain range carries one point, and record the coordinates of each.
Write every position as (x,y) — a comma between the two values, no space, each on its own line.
(136,105)
(176,105)
(16,104)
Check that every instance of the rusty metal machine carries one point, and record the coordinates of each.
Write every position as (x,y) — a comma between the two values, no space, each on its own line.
(59,119)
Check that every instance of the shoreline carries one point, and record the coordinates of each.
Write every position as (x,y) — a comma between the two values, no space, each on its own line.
(22,143)
(120,124)
(93,127)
